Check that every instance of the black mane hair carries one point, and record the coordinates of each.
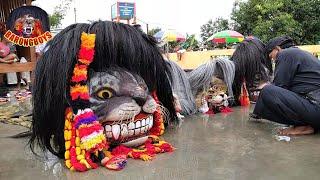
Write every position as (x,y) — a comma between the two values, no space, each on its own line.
(250,61)
(34,11)
(116,45)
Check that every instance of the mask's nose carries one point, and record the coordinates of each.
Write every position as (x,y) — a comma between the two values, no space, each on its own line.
(140,96)
(139,100)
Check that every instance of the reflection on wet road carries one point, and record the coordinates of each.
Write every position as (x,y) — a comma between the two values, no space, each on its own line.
(220,146)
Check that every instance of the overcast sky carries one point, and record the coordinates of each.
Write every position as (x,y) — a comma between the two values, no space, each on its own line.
(185,16)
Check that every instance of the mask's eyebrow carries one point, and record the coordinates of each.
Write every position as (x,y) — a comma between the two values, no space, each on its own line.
(104,80)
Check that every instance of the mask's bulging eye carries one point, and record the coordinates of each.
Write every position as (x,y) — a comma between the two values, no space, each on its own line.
(104,94)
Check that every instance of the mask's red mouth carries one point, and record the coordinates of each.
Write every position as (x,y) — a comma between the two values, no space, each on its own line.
(124,131)
(28,30)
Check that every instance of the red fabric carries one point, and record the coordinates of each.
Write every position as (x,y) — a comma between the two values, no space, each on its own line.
(219,40)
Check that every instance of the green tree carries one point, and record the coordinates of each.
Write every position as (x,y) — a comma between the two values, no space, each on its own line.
(270,18)
(191,43)
(154,31)
(58,13)
(211,27)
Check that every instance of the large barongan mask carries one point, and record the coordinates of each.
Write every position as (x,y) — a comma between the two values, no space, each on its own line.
(124,106)
(95,103)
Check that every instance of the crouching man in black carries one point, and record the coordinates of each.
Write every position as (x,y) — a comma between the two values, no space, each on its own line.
(294,96)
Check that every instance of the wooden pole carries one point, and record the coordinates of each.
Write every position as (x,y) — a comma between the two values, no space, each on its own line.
(147,28)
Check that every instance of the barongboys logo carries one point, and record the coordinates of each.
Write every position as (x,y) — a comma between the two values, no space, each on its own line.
(28,26)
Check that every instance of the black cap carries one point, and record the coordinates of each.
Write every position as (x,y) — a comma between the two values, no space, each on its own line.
(282,41)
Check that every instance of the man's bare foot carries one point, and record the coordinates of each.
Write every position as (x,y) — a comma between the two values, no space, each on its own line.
(298,130)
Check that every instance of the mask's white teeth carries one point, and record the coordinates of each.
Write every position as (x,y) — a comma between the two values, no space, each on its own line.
(121,131)
(107,128)
(138,124)
(124,130)
(150,122)
(131,132)
(143,128)
(137,131)
(147,121)
(131,125)
(116,131)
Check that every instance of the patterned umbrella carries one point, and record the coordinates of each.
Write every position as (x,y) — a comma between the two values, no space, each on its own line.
(169,36)
(226,36)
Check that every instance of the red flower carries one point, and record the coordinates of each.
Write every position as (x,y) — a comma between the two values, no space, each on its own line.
(86,54)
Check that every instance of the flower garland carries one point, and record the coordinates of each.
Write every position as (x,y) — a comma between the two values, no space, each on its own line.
(144,152)
(83,133)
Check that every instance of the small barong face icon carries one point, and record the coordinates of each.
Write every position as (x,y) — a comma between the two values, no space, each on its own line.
(28,27)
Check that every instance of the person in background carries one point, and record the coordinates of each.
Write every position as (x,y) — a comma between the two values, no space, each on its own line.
(7,51)
(294,96)
(40,50)
(179,49)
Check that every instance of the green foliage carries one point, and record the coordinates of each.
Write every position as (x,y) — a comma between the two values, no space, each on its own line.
(270,18)
(58,14)
(212,27)
(154,31)
(173,45)
(55,20)
(191,44)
